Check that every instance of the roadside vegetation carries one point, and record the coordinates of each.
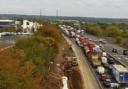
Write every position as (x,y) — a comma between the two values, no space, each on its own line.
(115,33)
(7,29)
(26,65)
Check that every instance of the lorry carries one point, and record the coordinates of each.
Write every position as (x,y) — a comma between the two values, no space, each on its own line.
(78,42)
(95,60)
(96,56)
(72,34)
(100,70)
(120,73)
(104,60)
(82,40)
(92,52)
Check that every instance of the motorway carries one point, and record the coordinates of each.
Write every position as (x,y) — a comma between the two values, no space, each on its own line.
(89,79)
(108,46)
(89,75)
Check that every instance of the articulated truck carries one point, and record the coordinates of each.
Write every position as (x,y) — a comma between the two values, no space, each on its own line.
(120,73)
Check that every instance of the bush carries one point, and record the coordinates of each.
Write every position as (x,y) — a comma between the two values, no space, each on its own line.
(7,29)
(26,65)
(117,31)
(119,40)
(50,31)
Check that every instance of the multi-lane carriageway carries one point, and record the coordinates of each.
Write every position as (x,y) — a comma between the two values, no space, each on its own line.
(91,79)
(108,46)
(89,74)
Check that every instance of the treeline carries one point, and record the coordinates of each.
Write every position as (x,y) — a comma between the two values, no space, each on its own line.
(25,66)
(117,32)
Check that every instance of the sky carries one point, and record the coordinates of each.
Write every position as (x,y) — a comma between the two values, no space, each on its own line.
(84,8)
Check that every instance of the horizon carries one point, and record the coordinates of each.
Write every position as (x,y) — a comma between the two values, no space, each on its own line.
(81,8)
(67,16)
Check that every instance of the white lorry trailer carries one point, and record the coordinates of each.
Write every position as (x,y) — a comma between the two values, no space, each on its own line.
(120,73)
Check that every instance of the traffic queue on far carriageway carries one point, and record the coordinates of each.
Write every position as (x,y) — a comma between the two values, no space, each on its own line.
(110,73)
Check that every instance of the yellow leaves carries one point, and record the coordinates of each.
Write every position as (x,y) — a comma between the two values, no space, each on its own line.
(10,65)
(31,56)
(46,40)
(19,54)
(50,30)
(29,66)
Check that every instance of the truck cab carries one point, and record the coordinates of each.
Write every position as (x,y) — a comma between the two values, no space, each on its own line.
(95,60)
(125,52)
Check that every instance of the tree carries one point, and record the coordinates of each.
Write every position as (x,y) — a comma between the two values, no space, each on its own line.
(112,31)
(119,40)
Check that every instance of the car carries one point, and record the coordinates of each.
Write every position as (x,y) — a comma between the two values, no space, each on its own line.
(114,50)
(74,63)
(115,85)
(95,40)
(90,39)
(107,83)
(103,41)
(125,52)
(106,65)
(111,60)
(74,58)
(103,77)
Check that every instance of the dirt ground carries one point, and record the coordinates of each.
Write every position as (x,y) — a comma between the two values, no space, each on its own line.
(54,77)
(75,80)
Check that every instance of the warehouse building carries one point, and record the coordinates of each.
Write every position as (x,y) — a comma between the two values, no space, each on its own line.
(7,23)
(24,26)
(30,27)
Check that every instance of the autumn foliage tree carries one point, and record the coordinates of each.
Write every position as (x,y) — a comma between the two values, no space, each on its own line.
(117,32)
(26,64)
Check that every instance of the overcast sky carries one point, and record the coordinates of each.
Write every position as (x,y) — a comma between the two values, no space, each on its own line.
(85,8)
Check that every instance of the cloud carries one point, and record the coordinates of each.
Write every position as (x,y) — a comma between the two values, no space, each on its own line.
(90,8)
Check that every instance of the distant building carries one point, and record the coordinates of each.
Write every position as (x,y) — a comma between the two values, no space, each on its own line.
(7,23)
(30,27)
(24,26)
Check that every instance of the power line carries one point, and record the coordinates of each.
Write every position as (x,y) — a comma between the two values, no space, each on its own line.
(40,12)
(57,14)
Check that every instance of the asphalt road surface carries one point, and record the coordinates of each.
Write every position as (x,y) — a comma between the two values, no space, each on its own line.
(89,80)
(108,46)
(7,41)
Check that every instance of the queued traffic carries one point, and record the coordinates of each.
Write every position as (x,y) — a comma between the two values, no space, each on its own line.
(110,73)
